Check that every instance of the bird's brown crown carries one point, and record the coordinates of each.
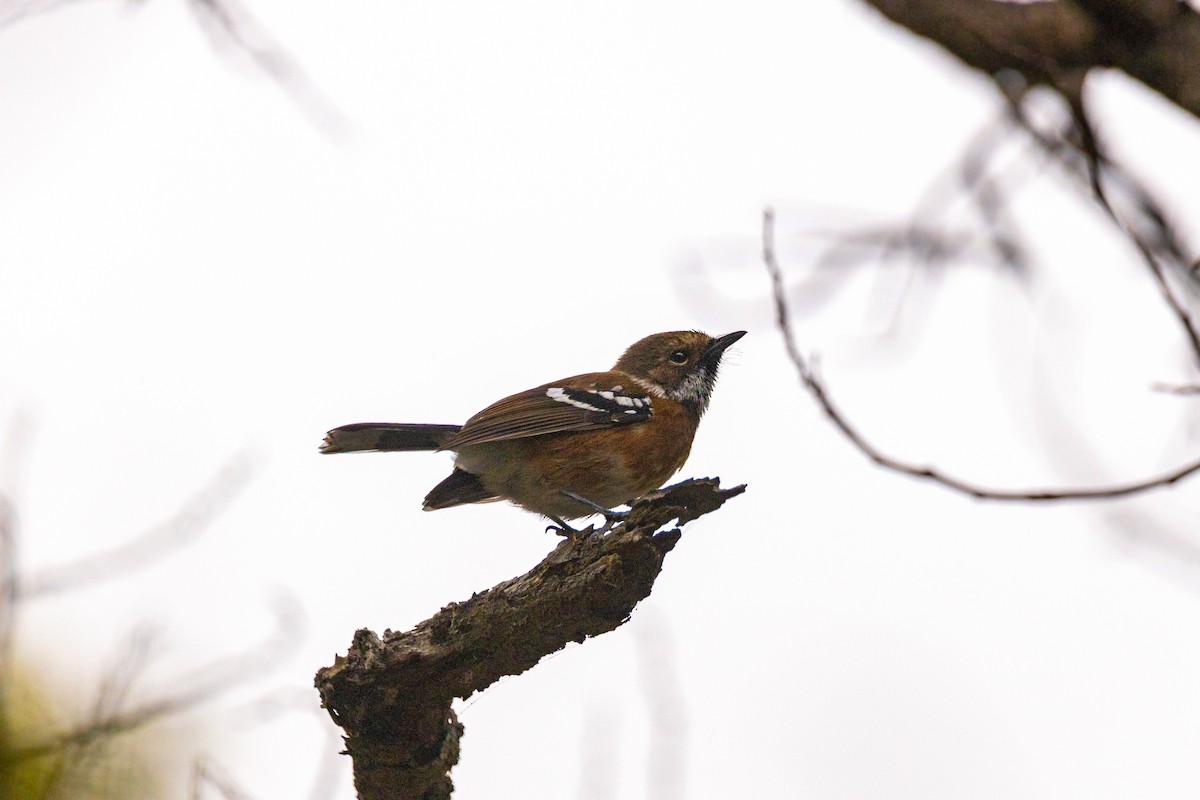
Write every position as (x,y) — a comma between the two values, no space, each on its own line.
(681,365)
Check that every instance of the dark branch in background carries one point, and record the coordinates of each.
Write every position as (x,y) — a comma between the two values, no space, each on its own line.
(815,387)
(1154,41)
(392,694)
(1051,44)
(1056,44)
(1147,229)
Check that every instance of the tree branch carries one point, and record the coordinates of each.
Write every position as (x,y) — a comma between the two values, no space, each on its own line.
(392,694)
(1154,41)
(816,388)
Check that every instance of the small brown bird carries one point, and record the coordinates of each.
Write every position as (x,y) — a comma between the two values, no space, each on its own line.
(573,447)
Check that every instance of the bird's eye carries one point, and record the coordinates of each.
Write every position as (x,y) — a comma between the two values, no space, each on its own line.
(679,357)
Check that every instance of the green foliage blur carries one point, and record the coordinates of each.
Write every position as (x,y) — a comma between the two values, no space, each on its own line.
(109,766)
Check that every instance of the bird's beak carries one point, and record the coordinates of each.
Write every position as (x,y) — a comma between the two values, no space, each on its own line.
(712,353)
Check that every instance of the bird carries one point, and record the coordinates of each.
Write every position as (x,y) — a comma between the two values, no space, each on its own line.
(573,447)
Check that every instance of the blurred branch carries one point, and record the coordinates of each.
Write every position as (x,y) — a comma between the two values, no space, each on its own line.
(392,695)
(934,240)
(1056,44)
(229,22)
(1147,227)
(12,459)
(817,389)
(206,772)
(183,527)
(12,11)
(76,759)
(8,610)
(666,706)
(207,682)
(1154,41)
(1184,389)
(328,770)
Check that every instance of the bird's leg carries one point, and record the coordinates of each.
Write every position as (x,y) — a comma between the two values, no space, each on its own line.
(611,516)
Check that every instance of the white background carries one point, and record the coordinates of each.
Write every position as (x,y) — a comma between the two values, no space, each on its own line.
(514,192)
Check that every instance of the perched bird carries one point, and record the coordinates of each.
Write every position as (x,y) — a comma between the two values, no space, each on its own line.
(572,447)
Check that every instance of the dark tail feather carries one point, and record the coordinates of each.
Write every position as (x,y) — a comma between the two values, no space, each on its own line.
(461,487)
(386,436)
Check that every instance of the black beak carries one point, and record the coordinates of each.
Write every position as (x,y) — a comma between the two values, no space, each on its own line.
(712,353)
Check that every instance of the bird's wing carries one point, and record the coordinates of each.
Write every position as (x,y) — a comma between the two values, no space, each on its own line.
(579,403)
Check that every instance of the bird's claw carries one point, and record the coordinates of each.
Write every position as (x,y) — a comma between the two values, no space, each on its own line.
(611,517)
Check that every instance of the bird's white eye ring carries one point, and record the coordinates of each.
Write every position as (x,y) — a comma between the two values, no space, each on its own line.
(679,357)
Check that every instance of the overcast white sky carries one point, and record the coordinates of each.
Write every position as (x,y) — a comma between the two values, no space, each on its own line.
(189,268)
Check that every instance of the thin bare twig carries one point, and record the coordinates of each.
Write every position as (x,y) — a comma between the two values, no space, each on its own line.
(1099,172)
(817,389)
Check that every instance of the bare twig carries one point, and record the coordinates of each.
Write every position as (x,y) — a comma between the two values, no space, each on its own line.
(926,245)
(817,389)
(1098,171)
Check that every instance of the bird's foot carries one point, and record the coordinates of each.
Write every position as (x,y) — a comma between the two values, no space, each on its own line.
(611,516)
(561,528)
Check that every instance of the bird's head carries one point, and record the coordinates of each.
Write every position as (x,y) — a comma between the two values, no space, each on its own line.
(681,365)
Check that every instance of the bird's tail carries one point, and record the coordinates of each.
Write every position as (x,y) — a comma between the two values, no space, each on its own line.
(461,487)
(363,436)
